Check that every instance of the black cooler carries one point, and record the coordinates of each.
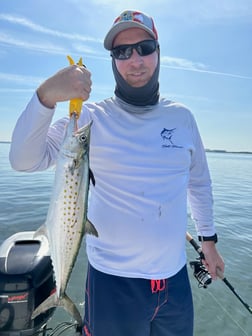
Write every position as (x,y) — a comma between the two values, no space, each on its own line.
(26,280)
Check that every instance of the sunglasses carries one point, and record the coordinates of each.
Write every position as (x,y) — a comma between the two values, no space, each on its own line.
(143,48)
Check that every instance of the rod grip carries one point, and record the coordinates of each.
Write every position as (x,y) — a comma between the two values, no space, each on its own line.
(196,246)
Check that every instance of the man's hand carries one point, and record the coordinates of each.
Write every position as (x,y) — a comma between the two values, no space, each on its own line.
(71,82)
(213,259)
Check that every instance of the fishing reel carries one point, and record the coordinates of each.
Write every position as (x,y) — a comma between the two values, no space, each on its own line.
(203,276)
(201,273)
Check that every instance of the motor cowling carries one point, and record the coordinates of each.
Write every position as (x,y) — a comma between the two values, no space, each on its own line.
(26,280)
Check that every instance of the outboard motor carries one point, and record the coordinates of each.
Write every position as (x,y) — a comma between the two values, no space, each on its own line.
(26,280)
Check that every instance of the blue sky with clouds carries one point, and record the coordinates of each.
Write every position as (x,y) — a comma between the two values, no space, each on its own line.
(206,57)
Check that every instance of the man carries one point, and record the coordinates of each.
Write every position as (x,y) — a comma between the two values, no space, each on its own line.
(147,157)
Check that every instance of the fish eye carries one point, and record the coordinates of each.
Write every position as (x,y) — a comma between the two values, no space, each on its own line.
(82,138)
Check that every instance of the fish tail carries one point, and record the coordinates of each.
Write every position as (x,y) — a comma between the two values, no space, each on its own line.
(54,301)
(71,308)
(50,302)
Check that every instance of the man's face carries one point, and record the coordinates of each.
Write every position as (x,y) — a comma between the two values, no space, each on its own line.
(137,70)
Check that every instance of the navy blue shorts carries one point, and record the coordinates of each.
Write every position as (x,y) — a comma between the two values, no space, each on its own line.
(118,306)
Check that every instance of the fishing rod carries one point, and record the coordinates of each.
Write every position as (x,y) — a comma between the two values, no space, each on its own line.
(202,275)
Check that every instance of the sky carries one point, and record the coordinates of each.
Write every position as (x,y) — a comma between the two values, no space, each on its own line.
(206,57)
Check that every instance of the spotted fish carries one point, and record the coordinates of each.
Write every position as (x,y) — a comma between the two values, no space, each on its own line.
(66,221)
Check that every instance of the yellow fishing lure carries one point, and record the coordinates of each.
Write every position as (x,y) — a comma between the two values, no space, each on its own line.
(75,104)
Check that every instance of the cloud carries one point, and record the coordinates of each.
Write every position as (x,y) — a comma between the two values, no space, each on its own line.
(42,47)
(78,46)
(52,48)
(20,79)
(77,41)
(188,65)
(84,49)
(18,90)
(44,30)
(181,62)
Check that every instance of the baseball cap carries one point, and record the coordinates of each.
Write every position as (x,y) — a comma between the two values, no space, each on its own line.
(130,19)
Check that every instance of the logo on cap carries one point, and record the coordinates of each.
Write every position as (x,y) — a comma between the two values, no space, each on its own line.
(130,16)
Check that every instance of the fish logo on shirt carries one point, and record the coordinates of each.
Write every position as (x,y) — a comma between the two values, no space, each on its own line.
(167,136)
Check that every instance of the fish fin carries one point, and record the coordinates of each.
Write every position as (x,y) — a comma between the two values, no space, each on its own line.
(41,234)
(71,308)
(91,177)
(90,229)
(53,301)
(41,231)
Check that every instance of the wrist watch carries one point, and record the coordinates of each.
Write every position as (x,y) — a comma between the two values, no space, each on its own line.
(213,238)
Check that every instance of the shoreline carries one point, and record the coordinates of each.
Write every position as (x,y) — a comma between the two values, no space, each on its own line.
(207,150)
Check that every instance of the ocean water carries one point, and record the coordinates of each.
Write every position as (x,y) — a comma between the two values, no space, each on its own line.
(24,200)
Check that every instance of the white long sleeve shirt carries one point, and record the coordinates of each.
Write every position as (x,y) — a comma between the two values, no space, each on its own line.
(147,162)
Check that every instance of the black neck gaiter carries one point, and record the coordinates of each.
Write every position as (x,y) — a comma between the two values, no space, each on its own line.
(140,96)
